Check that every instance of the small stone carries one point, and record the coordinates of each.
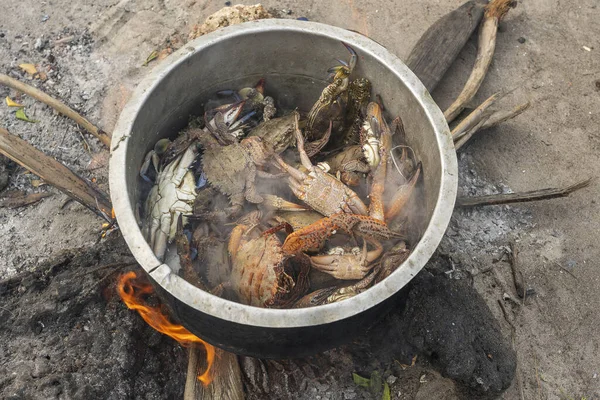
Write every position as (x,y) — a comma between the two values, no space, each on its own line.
(521,40)
(391,379)
(302,19)
(288,12)
(38,327)
(39,44)
(228,3)
(423,379)
(41,367)
(349,394)
(45,18)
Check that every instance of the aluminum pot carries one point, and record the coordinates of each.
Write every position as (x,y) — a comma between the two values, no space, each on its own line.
(293,56)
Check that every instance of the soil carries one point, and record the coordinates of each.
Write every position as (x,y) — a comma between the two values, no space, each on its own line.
(547,51)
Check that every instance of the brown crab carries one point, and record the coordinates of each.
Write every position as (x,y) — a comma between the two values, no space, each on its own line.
(335,293)
(258,274)
(320,190)
(331,93)
(359,93)
(348,265)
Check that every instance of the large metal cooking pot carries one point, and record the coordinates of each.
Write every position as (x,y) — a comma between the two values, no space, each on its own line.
(293,57)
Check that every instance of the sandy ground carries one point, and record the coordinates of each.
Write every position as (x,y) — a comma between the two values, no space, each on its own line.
(556,66)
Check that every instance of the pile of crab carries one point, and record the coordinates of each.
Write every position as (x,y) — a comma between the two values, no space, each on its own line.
(224,194)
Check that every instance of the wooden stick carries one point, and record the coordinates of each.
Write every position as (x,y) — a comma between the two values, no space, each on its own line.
(494,12)
(520,286)
(55,173)
(461,142)
(490,121)
(509,198)
(227,377)
(474,117)
(57,105)
(439,46)
(501,116)
(21,199)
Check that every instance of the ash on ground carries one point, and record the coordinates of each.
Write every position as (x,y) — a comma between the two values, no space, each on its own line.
(67,335)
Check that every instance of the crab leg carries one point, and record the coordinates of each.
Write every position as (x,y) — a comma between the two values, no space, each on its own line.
(294,173)
(402,195)
(313,148)
(251,194)
(376,207)
(314,235)
(300,144)
(277,203)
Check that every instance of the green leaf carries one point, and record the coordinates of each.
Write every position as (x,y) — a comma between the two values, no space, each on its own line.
(376,382)
(21,115)
(387,394)
(360,381)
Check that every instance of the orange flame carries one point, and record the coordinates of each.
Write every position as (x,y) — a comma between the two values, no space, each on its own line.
(132,291)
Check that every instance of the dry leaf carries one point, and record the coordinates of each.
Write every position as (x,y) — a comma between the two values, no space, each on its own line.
(99,160)
(37,183)
(404,366)
(11,103)
(29,68)
(151,57)
(20,114)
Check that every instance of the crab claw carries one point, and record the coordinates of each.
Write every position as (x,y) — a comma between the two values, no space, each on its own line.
(260,86)
(230,112)
(353,57)
(219,121)
(153,157)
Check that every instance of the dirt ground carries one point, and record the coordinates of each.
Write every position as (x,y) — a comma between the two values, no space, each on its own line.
(547,51)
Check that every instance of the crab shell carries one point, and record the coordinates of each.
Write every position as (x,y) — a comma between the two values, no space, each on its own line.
(258,275)
(224,168)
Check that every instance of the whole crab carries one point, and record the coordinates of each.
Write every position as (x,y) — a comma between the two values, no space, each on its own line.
(320,190)
(335,293)
(173,194)
(359,93)
(348,265)
(329,96)
(258,272)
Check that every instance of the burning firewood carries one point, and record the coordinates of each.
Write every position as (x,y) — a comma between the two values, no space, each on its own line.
(226,377)
(212,372)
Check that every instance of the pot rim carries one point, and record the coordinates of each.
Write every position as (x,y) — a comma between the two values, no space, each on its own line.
(281,318)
